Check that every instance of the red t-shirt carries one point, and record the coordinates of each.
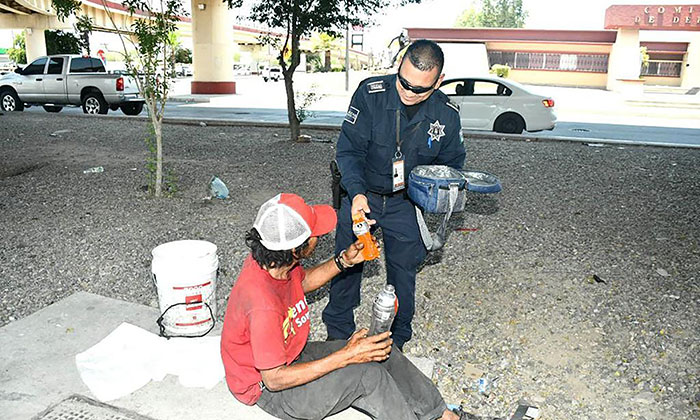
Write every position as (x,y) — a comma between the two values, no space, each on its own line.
(266,325)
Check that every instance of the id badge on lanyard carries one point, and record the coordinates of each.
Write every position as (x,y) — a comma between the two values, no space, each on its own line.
(397,163)
(399,182)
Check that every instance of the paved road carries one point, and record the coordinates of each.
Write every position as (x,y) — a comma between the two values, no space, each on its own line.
(588,130)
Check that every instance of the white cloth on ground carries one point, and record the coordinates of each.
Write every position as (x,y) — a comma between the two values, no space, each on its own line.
(130,357)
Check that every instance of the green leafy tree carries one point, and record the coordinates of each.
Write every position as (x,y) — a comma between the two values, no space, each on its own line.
(470,18)
(301,18)
(60,42)
(503,14)
(325,44)
(155,21)
(183,55)
(313,60)
(83,26)
(494,14)
(18,52)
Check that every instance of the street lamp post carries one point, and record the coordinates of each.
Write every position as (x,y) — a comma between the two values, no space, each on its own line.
(347,58)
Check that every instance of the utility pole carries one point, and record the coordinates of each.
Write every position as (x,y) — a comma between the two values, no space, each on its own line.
(347,58)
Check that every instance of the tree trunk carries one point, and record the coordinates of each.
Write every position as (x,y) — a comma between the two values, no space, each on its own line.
(327,61)
(158,128)
(291,107)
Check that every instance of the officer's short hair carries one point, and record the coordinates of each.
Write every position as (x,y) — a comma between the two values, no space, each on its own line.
(425,55)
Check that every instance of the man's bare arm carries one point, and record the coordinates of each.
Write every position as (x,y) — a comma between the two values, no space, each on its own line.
(359,349)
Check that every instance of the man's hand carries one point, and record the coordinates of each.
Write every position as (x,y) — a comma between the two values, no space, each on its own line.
(360,205)
(353,253)
(363,349)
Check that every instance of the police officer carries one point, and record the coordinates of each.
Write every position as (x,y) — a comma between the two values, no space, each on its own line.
(375,163)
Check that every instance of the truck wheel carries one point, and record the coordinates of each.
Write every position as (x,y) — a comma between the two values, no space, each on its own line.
(94,103)
(132,108)
(9,101)
(52,108)
(114,107)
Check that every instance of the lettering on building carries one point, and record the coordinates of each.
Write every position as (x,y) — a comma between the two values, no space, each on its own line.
(654,15)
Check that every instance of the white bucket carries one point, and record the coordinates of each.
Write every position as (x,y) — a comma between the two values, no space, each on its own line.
(184,273)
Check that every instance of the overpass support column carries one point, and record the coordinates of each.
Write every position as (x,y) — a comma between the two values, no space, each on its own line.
(212,39)
(35,43)
(625,63)
(690,73)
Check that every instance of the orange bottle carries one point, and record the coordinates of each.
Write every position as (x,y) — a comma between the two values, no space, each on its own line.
(360,228)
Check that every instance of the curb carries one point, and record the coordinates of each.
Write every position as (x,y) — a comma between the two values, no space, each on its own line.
(586,140)
(656,104)
(190,99)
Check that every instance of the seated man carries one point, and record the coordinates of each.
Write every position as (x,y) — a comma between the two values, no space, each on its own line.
(264,346)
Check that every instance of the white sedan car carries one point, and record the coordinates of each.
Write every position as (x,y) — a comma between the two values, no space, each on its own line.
(501,105)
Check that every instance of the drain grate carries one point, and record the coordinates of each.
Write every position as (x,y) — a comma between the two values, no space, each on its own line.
(581,130)
(78,407)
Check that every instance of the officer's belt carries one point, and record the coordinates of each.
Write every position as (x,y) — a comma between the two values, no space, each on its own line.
(391,194)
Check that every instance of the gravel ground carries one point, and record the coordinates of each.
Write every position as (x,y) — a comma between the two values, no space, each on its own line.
(514,299)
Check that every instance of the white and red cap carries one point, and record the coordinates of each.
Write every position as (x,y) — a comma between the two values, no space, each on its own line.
(286,221)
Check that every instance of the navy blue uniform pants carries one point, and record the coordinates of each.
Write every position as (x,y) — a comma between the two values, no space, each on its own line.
(403,251)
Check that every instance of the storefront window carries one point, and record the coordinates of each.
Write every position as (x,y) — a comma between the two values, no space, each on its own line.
(596,63)
(662,68)
(552,61)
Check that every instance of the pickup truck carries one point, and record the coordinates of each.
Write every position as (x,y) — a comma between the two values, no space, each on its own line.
(69,80)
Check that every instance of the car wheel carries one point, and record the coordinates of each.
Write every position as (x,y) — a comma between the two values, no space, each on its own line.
(9,101)
(52,108)
(132,108)
(509,123)
(264,79)
(94,103)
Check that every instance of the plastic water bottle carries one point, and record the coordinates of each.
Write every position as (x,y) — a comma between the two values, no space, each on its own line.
(384,310)
(217,188)
(360,228)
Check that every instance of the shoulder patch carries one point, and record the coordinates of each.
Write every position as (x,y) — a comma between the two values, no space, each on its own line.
(375,87)
(352,114)
(452,105)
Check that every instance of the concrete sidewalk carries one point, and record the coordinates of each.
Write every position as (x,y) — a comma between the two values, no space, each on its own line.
(38,370)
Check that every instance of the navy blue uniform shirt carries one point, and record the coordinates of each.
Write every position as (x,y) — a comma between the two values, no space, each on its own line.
(367,142)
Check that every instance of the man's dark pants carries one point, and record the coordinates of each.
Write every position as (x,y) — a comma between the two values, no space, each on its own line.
(404,252)
(391,390)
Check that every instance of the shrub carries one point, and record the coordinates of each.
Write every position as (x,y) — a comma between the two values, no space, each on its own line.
(500,70)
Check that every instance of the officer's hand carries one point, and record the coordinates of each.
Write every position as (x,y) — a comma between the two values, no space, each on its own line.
(363,349)
(360,204)
(353,253)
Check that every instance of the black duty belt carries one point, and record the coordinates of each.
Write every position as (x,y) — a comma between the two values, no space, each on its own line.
(400,193)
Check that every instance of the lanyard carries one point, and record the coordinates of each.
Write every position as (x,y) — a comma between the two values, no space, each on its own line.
(398,154)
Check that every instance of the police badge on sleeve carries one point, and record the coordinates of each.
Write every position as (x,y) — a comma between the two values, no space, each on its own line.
(351,115)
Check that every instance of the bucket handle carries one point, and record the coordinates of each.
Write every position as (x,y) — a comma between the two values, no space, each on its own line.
(161,326)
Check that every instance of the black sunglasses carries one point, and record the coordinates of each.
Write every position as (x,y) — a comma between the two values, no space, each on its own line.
(415,89)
